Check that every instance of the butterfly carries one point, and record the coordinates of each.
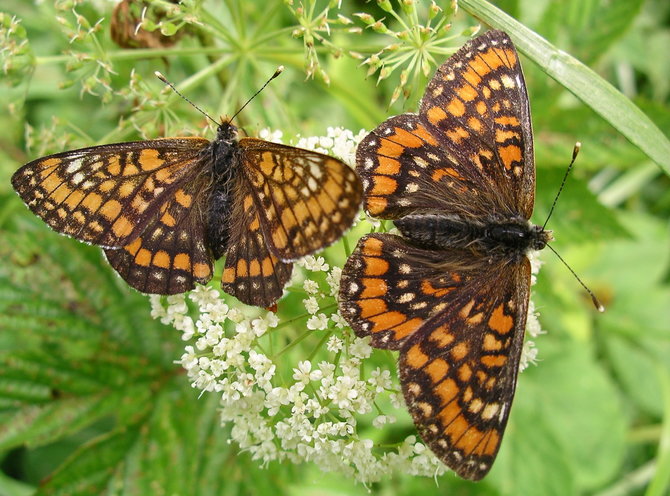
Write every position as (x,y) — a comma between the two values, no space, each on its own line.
(163,210)
(451,294)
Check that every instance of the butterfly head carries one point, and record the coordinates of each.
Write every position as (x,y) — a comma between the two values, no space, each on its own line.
(540,237)
(226,133)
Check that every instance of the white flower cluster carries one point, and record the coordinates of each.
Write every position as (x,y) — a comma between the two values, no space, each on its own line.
(312,418)
(318,415)
(533,327)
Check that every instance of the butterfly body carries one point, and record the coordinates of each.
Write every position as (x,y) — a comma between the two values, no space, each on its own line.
(513,237)
(451,294)
(224,157)
(163,210)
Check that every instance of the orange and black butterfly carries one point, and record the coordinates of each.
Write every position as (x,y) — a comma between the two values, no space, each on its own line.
(163,210)
(458,180)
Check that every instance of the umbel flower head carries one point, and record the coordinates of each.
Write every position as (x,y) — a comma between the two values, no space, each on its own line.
(303,387)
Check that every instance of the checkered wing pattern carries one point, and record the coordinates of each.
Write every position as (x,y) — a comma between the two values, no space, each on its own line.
(305,200)
(137,200)
(458,324)
(468,151)
(171,254)
(106,194)
(252,274)
(389,310)
(458,179)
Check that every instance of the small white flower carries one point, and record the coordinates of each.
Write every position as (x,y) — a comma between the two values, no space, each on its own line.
(380,380)
(189,359)
(318,322)
(311,305)
(334,344)
(361,348)
(315,264)
(157,309)
(305,374)
(262,324)
(310,287)
(269,135)
(338,320)
(528,355)
(333,280)
(397,400)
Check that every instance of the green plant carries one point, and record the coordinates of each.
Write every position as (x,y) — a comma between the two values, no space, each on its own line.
(86,370)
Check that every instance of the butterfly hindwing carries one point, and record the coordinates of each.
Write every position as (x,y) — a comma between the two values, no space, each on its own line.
(305,200)
(458,322)
(252,273)
(105,195)
(459,371)
(171,253)
(390,288)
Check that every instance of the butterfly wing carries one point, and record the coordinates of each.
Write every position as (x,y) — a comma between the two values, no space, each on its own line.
(106,195)
(171,253)
(252,273)
(305,200)
(477,107)
(389,289)
(469,151)
(459,324)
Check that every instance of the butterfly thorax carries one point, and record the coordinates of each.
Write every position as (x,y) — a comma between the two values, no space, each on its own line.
(225,164)
(511,236)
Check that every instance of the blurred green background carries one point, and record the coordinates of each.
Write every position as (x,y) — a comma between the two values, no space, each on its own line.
(90,399)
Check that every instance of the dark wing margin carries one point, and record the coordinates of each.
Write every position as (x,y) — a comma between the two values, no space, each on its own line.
(252,273)
(106,195)
(305,200)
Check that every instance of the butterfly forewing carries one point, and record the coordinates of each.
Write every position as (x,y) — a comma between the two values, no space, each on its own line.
(477,107)
(105,194)
(404,169)
(305,200)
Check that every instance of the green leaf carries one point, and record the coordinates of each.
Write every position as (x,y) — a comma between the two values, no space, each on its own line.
(531,459)
(577,402)
(582,81)
(660,484)
(578,216)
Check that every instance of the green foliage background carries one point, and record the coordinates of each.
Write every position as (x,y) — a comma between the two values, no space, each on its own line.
(90,399)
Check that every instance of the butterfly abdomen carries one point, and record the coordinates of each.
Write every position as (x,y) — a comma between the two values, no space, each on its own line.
(225,162)
(441,232)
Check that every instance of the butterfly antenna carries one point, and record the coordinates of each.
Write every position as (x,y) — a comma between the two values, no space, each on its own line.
(164,79)
(599,306)
(279,70)
(575,152)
